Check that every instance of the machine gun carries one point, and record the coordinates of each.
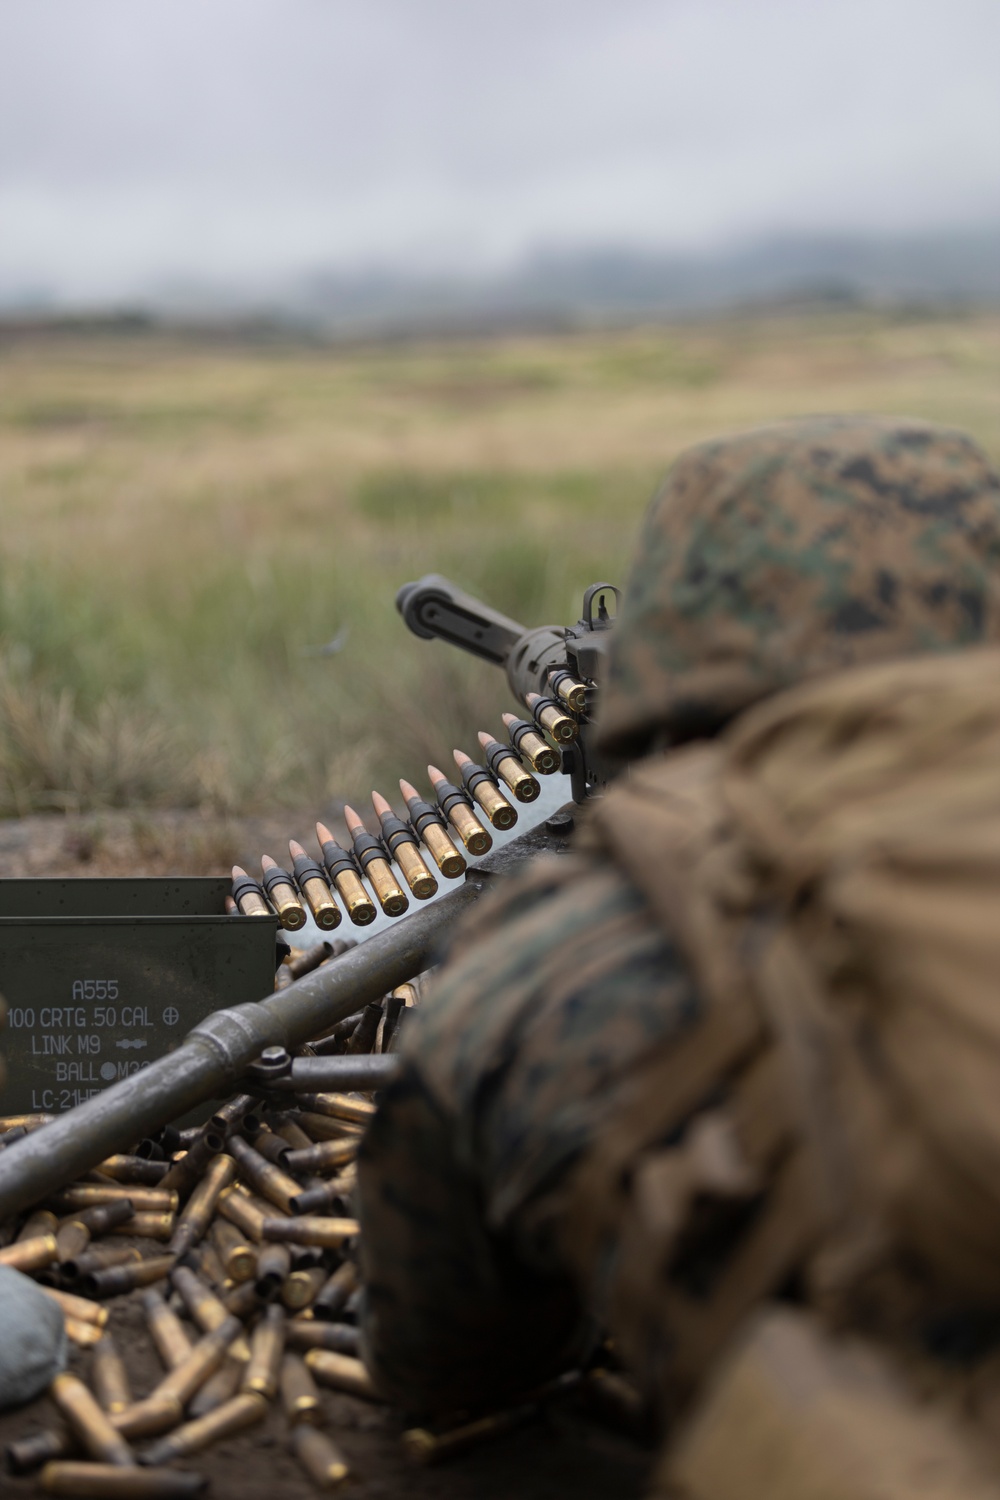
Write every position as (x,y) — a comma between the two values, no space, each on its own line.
(551,669)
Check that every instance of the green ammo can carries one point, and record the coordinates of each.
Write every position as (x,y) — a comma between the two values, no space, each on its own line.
(102,976)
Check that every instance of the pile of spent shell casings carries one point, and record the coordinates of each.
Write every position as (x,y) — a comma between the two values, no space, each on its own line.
(456,823)
(239,1237)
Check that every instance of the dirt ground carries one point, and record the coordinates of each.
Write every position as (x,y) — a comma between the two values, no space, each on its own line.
(565,1455)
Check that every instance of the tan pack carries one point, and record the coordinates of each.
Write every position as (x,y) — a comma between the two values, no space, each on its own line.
(831,870)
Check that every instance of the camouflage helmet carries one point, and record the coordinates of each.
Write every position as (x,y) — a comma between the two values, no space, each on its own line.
(796,549)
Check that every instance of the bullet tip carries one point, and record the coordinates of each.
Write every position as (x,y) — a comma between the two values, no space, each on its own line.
(238,872)
(380,804)
(531,698)
(323,833)
(436,775)
(509,719)
(351,818)
(484,738)
(461,759)
(295,849)
(267,863)
(408,791)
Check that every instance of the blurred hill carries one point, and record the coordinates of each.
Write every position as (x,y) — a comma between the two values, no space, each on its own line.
(559,288)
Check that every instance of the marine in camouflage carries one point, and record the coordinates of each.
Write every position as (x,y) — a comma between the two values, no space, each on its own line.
(784,553)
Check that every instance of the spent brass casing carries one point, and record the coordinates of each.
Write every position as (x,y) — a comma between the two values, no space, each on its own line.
(262,1175)
(242,1299)
(319,1456)
(424,1447)
(274,1264)
(232,1416)
(326,913)
(273,1148)
(267,1348)
(237,1257)
(320,1158)
(84,1335)
(320,1128)
(300,1398)
(41,1222)
(309,1229)
(149,1417)
(150,1226)
(28,1453)
(363,1036)
(338,1338)
(203,1259)
(89,1423)
(337,1293)
(339,1106)
(105,1482)
(180,1383)
(342,1373)
(553,719)
(302,1287)
(30,1255)
(340,867)
(284,898)
(205,1308)
(220,1387)
(134,1170)
(110,1377)
(81,1308)
(507,768)
(24,1122)
(72,1239)
(156,1200)
(166,1330)
(526,740)
(114,1280)
(200,1208)
(187,1170)
(291,1132)
(98,1258)
(238,1209)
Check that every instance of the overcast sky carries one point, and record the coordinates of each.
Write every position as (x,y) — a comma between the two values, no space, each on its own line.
(142,140)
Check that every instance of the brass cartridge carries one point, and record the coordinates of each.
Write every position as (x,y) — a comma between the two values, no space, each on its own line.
(282,894)
(88,1422)
(228,1117)
(84,1195)
(114,1280)
(322,1157)
(238,1258)
(343,871)
(372,858)
(554,720)
(363,1037)
(28,1453)
(308,1229)
(424,1447)
(394,1007)
(482,788)
(110,1377)
(457,808)
(39,1223)
(84,1335)
(306,960)
(242,1299)
(341,1373)
(188,1168)
(274,1264)
(149,1417)
(166,1330)
(311,881)
(526,740)
(134,1169)
(203,1259)
(267,1348)
(338,1338)
(319,1456)
(30,1255)
(291,1131)
(98,1258)
(220,1387)
(72,1239)
(507,768)
(299,1393)
(568,689)
(302,1287)
(340,1106)
(24,1122)
(273,1148)
(104,1482)
(262,1175)
(232,1416)
(401,842)
(150,1226)
(429,825)
(248,895)
(81,1308)
(338,1291)
(201,1302)
(200,1208)
(180,1384)
(238,1209)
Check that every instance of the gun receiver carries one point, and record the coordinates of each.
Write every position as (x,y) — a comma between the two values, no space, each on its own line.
(565,662)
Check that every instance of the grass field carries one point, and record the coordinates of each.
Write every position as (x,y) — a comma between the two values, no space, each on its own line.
(183,523)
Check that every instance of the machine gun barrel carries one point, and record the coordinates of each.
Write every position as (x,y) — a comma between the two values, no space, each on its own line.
(210,1060)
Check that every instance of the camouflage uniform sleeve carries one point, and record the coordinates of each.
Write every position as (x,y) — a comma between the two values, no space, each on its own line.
(559,985)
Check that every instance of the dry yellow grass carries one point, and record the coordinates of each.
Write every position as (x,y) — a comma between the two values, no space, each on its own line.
(184,522)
